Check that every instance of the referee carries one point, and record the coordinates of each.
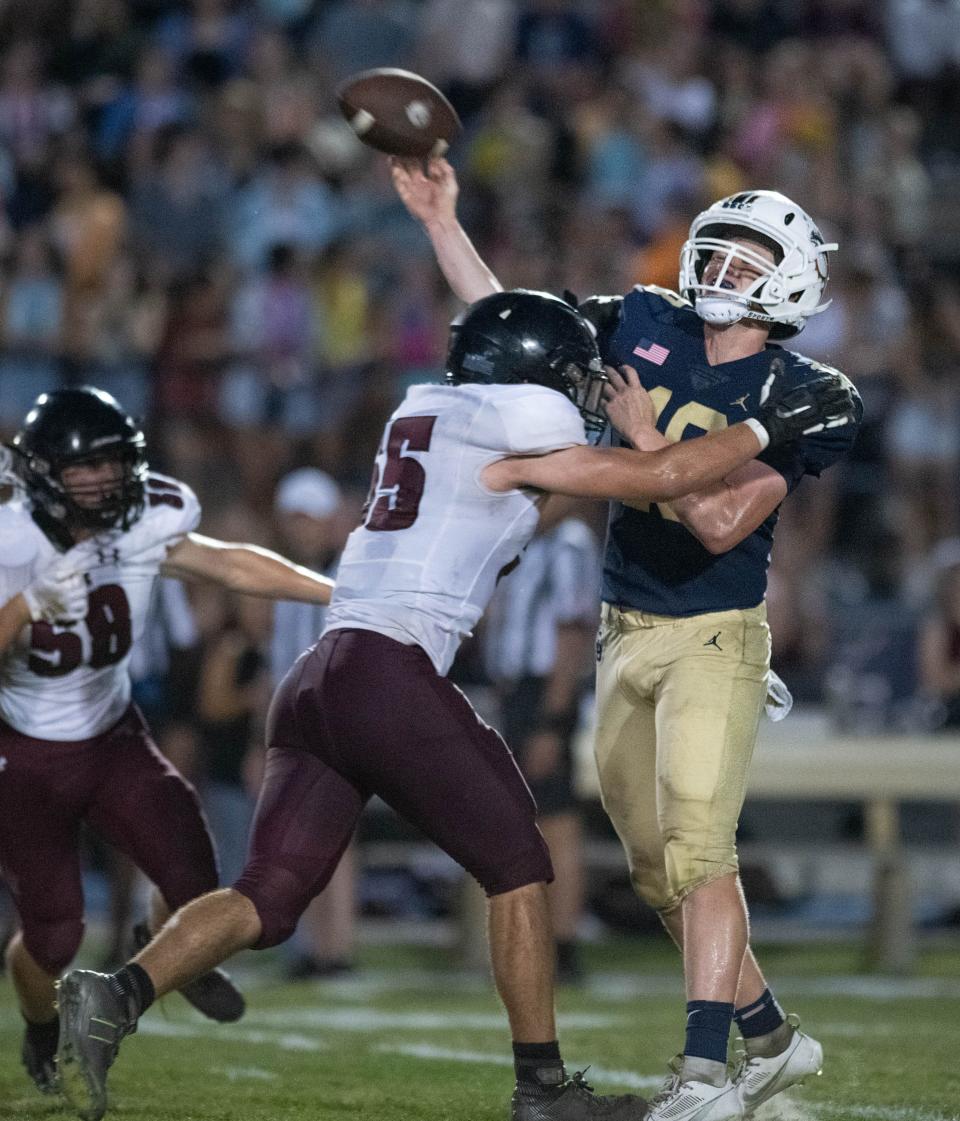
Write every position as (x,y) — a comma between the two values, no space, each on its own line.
(537,647)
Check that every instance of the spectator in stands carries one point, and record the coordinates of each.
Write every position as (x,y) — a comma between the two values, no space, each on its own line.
(30,328)
(307,505)
(939,648)
(538,645)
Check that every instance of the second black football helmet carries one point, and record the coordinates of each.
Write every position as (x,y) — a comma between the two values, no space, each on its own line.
(523,336)
(75,426)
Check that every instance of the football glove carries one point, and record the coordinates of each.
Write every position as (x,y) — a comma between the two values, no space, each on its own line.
(58,594)
(823,402)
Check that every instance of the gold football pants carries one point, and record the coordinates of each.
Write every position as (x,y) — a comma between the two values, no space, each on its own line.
(678,704)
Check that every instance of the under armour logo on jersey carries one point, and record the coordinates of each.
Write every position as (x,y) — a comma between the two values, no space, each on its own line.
(713,641)
(108,556)
(741,401)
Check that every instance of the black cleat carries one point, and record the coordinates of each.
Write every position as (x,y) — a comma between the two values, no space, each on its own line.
(573,1100)
(213,994)
(94,1018)
(41,1065)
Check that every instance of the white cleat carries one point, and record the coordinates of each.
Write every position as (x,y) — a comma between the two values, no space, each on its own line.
(759,1078)
(694,1101)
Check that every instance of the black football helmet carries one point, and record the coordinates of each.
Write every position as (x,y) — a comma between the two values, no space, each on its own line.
(522,336)
(75,426)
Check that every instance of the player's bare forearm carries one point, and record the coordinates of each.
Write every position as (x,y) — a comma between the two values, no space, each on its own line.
(430,195)
(247,569)
(626,474)
(14,616)
(725,514)
(462,266)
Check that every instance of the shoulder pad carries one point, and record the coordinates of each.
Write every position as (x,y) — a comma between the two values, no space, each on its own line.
(603,314)
(602,311)
(672,298)
(172,508)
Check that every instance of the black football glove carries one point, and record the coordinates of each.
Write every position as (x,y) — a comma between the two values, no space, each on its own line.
(823,402)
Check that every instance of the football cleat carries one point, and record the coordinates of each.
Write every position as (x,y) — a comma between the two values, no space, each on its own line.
(213,994)
(573,1100)
(760,1077)
(690,1100)
(41,1066)
(94,1018)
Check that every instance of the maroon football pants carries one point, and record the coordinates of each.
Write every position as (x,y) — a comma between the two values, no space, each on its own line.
(360,714)
(121,785)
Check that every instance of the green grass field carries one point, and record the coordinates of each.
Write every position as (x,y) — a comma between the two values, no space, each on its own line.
(409,1038)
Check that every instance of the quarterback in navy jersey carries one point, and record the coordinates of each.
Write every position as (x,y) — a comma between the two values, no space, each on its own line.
(684,647)
(664,568)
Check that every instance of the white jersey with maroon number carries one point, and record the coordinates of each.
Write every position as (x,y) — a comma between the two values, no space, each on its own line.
(424,563)
(72,682)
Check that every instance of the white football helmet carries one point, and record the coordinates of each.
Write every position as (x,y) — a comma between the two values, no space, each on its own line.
(787,292)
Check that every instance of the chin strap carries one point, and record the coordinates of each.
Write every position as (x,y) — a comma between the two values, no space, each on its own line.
(720,311)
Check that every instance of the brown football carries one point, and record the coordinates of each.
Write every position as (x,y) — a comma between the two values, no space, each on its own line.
(398,112)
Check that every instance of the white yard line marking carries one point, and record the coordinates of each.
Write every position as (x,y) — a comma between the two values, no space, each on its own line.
(449,1054)
(286,1041)
(243,1074)
(370,1019)
(854,1031)
(780,1109)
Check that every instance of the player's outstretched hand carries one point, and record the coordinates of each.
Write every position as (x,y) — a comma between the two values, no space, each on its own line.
(58,594)
(823,402)
(627,403)
(429,195)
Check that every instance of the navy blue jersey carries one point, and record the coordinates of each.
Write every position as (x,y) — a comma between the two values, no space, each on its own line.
(653,563)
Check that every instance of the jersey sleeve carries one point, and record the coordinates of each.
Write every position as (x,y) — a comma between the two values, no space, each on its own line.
(540,421)
(604,314)
(172,511)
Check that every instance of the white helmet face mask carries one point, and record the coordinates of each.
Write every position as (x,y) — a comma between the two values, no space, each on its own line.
(786,293)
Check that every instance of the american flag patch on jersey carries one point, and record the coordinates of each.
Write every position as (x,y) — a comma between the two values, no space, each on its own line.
(652,352)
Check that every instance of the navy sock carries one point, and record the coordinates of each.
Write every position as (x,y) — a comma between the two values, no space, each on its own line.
(761,1017)
(708,1029)
(135,984)
(538,1065)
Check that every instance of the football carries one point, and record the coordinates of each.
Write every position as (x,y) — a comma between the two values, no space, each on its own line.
(398,112)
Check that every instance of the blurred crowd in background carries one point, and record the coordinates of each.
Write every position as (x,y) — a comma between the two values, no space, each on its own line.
(187,221)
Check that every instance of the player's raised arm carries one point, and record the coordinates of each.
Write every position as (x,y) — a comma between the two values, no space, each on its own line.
(431,197)
(247,569)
